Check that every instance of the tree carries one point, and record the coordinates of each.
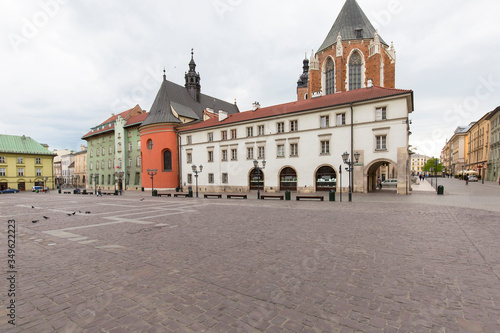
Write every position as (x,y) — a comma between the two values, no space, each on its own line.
(431,163)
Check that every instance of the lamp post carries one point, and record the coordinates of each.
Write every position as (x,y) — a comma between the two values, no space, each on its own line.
(259,172)
(152,173)
(436,162)
(45,181)
(350,168)
(340,176)
(196,171)
(482,174)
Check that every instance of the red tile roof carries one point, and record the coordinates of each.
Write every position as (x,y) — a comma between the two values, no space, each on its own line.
(342,98)
(138,119)
(111,121)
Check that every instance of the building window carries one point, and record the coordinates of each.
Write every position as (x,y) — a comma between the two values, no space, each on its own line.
(249,153)
(249,132)
(210,137)
(150,144)
(340,119)
(130,146)
(260,130)
(224,155)
(2,159)
(281,127)
(109,164)
(294,149)
(20,160)
(3,171)
(139,145)
(330,77)
(102,164)
(234,154)
(38,160)
(355,64)
(167,160)
(294,126)
(381,142)
(103,151)
(129,162)
(97,165)
(138,161)
(210,178)
(325,121)
(225,178)
(119,148)
(223,135)
(20,172)
(262,153)
(189,158)
(381,114)
(190,178)
(325,147)
(91,166)
(189,139)
(280,151)
(210,156)
(233,134)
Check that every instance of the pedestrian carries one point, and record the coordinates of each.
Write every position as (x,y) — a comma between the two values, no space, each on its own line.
(379,183)
(99,192)
(466,179)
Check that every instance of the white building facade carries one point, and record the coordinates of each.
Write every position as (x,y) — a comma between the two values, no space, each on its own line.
(302,143)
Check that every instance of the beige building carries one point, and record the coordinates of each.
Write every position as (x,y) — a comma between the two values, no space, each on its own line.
(80,170)
(478,145)
(417,163)
(458,150)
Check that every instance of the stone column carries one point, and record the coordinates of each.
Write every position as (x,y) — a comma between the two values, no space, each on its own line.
(403,171)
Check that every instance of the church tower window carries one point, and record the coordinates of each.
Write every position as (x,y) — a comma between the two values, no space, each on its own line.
(355,64)
(330,77)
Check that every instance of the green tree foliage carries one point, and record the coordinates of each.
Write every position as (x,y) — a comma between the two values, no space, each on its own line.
(431,163)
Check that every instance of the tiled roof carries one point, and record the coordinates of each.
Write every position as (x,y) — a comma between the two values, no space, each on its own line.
(109,124)
(350,19)
(22,145)
(338,99)
(135,120)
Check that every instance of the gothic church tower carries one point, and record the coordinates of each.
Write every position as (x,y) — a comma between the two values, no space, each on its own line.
(352,54)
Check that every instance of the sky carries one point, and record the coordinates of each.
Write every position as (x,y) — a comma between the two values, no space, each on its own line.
(67,65)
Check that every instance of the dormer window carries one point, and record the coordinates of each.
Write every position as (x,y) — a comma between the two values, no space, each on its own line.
(359,33)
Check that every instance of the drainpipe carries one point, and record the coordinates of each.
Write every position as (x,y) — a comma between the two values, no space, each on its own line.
(179,160)
(352,148)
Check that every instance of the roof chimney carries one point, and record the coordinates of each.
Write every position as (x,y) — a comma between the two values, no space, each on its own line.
(369,83)
(222,115)
(255,106)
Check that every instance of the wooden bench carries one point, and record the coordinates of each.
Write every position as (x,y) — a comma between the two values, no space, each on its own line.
(168,195)
(272,196)
(67,192)
(184,195)
(218,196)
(108,193)
(320,197)
(244,196)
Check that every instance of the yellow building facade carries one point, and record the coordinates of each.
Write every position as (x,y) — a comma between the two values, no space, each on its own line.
(24,163)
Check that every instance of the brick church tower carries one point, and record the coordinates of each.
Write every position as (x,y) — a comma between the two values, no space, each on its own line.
(352,54)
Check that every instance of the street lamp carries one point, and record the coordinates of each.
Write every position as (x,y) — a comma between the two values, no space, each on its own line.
(350,168)
(152,173)
(196,171)
(436,162)
(259,172)
(45,181)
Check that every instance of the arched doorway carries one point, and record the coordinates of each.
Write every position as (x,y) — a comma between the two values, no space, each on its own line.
(383,170)
(288,179)
(256,179)
(326,179)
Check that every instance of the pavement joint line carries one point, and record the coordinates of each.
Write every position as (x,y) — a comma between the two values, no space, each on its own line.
(473,244)
(159,210)
(125,220)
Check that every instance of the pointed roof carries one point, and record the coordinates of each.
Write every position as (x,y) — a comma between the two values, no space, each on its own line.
(350,19)
(161,110)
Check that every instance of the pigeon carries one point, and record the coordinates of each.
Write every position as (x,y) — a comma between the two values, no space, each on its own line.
(73,213)
(80,211)
(87,212)
(32,206)
(69,214)
(35,221)
(46,217)
(142,199)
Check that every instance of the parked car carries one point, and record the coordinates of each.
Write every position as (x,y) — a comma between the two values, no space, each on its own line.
(390,183)
(9,190)
(473,178)
(37,188)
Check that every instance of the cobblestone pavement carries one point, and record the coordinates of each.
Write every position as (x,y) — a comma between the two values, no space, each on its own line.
(380,264)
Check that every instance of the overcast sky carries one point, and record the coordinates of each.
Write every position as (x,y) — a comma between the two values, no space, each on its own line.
(67,64)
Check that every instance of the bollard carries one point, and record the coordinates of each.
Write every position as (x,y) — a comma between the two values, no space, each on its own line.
(190,193)
(440,190)
(287,195)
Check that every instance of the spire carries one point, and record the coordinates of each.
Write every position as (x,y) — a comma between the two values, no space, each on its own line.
(304,78)
(193,80)
(164,74)
(351,24)
(161,110)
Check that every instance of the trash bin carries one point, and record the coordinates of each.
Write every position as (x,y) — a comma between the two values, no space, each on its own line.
(288,195)
(190,192)
(142,189)
(332,195)
(155,193)
(176,189)
(84,192)
(440,190)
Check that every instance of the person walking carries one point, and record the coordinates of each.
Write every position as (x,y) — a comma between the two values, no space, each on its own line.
(99,192)
(466,179)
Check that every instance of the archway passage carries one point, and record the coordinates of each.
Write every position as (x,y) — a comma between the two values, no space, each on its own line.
(256,179)
(288,179)
(384,170)
(326,179)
